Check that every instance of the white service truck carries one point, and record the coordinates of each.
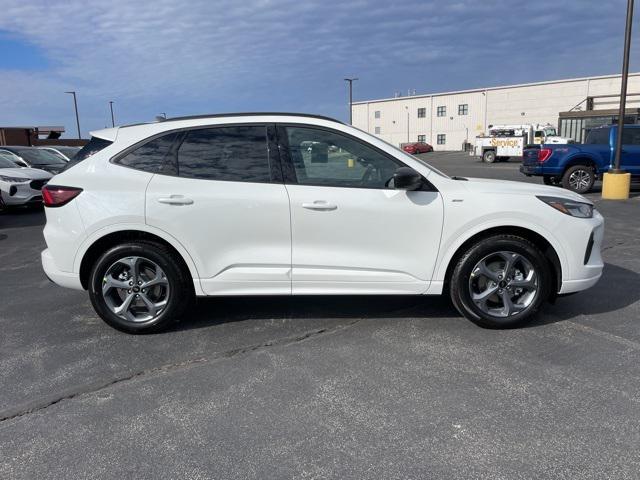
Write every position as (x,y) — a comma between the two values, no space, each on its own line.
(504,141)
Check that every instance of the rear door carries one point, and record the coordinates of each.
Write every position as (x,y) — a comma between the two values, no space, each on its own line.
(630,158)
(352,232)
(224,201)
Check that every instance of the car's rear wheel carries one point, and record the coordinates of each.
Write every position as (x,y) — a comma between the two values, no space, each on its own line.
(501,281)
(489,156)
(139,287)
(579,178)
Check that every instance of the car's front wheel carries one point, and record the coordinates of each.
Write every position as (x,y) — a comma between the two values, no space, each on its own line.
(139,287)
(501,281)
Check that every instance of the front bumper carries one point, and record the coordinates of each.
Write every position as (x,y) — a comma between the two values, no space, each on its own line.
(585,260)
(64,279)
(14,194)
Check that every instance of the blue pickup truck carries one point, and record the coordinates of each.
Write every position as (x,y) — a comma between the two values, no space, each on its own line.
(577,166)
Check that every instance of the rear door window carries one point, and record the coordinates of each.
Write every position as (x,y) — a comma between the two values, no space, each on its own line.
(235,153)
(598,136)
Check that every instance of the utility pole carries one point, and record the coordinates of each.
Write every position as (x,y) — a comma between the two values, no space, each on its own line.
(75,105)
(616,182)
(113,122)
(351,80)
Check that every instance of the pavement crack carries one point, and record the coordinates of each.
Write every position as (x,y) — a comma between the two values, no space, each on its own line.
(36,407)
(601,333)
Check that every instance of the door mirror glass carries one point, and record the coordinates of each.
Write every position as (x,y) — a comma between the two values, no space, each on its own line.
(406,178)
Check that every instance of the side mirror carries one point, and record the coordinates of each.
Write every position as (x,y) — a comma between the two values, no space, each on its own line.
(406,178)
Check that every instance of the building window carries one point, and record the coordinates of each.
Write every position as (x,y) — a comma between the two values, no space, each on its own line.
(442,111)
(422,112)
(442,139)
(377,130)
(376,114)
(463,109)
(422,138)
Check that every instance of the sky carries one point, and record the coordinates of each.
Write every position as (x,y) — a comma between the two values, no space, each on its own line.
(206,56)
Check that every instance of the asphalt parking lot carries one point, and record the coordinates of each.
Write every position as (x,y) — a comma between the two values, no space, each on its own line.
(322,387)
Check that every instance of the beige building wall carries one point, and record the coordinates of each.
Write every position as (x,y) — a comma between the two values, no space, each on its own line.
(516,104)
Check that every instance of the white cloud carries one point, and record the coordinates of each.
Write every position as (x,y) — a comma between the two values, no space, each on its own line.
(199,55)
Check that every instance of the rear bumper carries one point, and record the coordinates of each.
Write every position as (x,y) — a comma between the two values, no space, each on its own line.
(64,279)
(531,169)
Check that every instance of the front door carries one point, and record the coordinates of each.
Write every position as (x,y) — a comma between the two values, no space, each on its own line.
(352,232)
(630,159)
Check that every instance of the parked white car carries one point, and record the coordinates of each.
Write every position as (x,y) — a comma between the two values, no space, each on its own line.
(20,185)
(147,216)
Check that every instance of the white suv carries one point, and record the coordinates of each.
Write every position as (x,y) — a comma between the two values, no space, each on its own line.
(148,216)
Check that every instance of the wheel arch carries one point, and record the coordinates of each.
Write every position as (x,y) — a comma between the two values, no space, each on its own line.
(534,237)
(98,244)
(581,159)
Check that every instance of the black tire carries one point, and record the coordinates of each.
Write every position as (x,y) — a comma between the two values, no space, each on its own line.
(462,282)
(579,178)
(179,289)
(549,180)
(489,156)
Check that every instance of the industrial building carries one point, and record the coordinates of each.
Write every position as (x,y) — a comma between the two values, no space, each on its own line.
(451,120)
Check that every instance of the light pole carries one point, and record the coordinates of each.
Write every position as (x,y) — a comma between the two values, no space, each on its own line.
(407,108)
(617,183)
(350,80)
(75,105)
(113,122)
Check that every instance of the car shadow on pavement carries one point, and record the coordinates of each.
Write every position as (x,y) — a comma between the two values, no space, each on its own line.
(22,217)
(219,310)
(617,289)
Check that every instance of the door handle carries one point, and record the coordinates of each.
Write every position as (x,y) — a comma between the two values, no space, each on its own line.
(175,200)
(319,205)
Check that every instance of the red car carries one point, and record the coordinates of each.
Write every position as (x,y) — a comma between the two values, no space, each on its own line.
(417,147)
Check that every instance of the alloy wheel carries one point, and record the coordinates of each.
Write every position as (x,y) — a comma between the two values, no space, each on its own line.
(503,284)
(580,179)
(136,289)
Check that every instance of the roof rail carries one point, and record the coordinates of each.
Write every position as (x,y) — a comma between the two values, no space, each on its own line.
(239,114)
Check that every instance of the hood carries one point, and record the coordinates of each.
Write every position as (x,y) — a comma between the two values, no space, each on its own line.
(26,173)
(485,185)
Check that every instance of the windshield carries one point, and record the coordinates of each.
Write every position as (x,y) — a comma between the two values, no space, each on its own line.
(550,132)
(70,152)
(5,161)
(36,156)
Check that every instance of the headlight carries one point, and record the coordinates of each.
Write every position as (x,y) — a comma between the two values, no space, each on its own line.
(13,179)
(569,207)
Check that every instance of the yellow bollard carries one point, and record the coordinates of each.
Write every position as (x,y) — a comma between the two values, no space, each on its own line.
(351,163)
(616,186)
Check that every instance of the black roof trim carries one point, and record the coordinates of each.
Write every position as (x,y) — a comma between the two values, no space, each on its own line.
(238,114)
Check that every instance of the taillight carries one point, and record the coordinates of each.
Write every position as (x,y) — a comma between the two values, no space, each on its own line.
(54,196)
(544,154)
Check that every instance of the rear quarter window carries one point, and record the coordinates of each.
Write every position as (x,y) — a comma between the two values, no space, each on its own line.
(94,146)
(154,156)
